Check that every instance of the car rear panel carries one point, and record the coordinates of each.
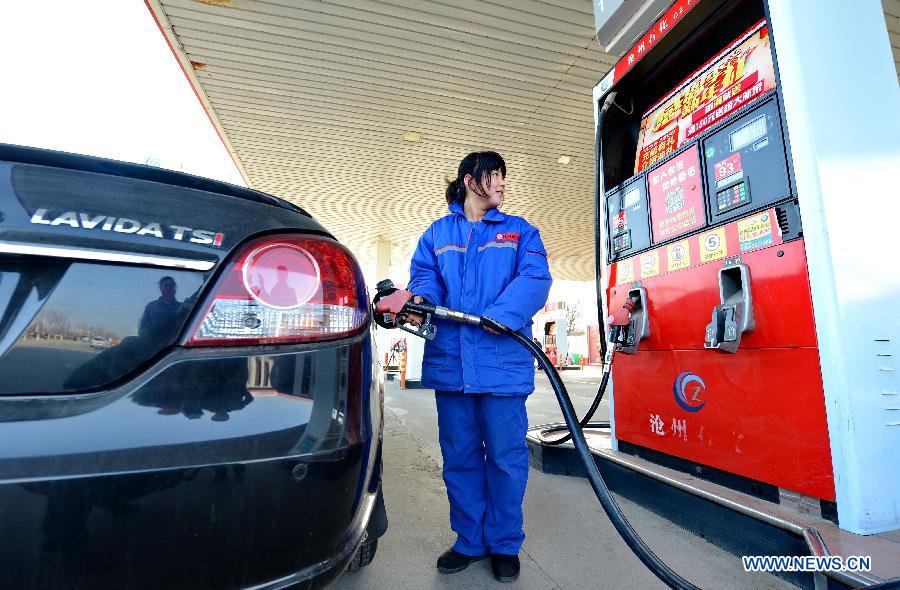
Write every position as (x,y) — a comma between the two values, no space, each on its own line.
(211,470)
(128,461)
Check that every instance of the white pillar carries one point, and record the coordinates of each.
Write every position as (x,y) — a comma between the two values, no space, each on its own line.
(383,338)
(382,258)
(841,101)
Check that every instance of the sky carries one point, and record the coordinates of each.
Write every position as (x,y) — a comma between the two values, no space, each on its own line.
(98,78)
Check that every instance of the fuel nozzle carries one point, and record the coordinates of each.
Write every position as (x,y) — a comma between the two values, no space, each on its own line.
(629,324)
(631,304)
(618,322)
(395,308)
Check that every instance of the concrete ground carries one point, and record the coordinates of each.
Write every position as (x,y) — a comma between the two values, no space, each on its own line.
(570,543)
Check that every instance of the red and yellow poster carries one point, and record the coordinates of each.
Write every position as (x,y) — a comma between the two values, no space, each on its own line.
(736,77)
(594,356)
(679,255)
(649,264)
(676,196)
(625,272)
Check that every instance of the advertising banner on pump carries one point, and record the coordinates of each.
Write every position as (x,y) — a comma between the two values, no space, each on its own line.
(676,196)
(737,76)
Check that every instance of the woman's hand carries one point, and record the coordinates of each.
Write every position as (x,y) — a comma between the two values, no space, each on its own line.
(413,319)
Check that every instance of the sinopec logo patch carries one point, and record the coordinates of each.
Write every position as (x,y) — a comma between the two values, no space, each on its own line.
(689,390)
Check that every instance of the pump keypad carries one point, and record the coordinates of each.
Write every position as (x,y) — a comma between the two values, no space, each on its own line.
(733,197)
(621,242)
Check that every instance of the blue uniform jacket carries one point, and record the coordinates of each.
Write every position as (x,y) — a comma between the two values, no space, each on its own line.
(496,267)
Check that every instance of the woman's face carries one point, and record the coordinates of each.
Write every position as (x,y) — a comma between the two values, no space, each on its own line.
(494,188)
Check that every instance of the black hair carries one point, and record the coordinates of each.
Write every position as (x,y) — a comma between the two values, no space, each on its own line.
(166,278)
(480,165)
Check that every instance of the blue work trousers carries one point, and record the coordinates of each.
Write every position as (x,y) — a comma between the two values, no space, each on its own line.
(482,440)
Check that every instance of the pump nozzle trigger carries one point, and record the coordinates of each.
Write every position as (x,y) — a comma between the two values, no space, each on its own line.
(393,308)
(425,330)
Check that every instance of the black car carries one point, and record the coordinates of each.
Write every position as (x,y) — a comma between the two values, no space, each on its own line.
(188,397)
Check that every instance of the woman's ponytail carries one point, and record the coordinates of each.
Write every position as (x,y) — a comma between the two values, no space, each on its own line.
(456,191)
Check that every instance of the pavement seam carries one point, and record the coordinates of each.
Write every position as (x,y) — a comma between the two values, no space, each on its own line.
(540,569)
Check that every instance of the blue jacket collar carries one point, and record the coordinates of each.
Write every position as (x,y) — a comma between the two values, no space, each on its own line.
(491,215)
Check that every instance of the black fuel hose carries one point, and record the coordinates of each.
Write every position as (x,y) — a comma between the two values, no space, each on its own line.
(598,209)
(584,422)
(614,332)
(662,571)
(624,528)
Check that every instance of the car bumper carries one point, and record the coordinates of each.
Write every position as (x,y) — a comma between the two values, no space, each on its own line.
(320,574)
(240,468)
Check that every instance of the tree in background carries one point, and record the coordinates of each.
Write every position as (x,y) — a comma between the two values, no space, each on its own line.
(573,320)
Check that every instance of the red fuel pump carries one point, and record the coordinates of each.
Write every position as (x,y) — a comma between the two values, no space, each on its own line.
(746,202)
(703,232)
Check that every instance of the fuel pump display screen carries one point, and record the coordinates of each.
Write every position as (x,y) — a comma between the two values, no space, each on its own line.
(632,198)
(627,218)
(747,134)
(746,167)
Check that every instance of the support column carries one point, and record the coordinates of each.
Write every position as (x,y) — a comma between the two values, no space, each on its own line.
(383,338)
(382,258)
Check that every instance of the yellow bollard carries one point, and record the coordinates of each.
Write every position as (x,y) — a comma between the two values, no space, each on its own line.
(403,368)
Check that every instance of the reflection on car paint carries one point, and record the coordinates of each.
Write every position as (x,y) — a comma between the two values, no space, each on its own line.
(126,315)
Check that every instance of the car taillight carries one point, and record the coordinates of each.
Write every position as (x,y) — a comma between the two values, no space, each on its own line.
(284,289)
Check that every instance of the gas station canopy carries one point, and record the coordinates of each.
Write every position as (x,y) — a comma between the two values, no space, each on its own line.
(360,110)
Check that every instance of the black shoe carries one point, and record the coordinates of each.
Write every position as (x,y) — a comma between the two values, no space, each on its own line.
(451,561)
(506,567)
